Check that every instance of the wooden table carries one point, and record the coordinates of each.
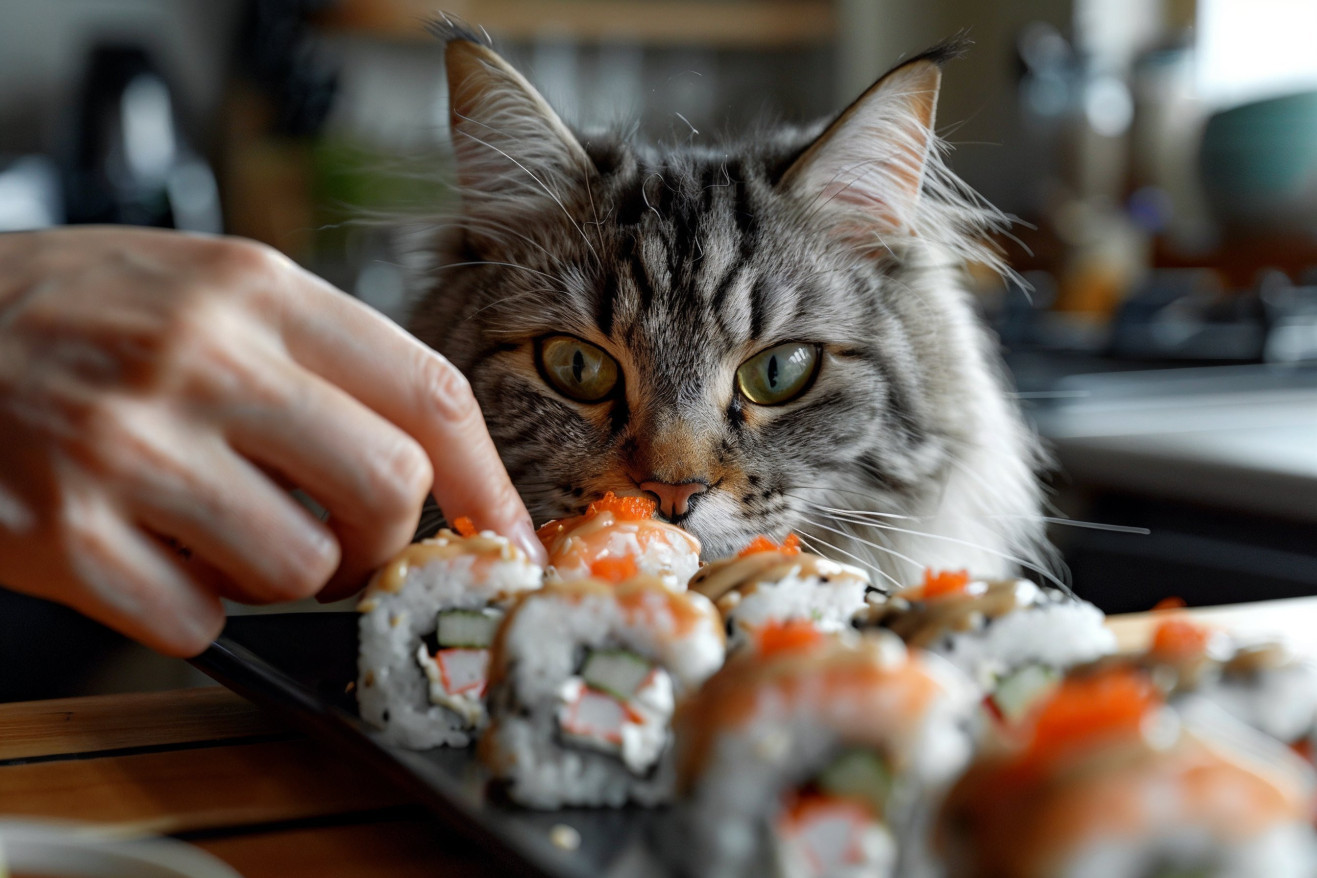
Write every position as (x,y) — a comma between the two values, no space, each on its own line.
(205,766)
(208,767)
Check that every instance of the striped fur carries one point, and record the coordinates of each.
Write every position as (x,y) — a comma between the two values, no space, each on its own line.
(684,262)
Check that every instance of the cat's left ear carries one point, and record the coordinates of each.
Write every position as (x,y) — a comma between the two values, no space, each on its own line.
(512,149)
(873,157)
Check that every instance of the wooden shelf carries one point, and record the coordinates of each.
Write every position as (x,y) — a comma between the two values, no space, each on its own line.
(733,24)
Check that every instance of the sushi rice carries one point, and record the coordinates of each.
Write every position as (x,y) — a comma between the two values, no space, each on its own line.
(397,678)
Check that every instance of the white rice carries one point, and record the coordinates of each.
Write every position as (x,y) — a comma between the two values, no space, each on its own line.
(829,605)
(724,821)
(1280,702)
(674,561)
(542,644)
(392,689)
(1052,629)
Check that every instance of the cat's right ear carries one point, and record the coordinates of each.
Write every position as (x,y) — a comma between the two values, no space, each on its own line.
(513,152)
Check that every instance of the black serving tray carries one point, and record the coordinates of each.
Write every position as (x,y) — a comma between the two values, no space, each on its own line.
(299,665)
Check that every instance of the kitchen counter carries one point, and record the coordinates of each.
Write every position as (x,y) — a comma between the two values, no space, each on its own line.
(1240,438)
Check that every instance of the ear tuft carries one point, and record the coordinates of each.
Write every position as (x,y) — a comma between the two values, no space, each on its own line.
(877,172)
(512,149)
(873,157)
(449,29)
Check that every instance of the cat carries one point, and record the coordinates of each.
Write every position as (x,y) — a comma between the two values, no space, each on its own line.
(766,336)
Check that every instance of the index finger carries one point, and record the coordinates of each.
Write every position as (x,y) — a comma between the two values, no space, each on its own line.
(390,371)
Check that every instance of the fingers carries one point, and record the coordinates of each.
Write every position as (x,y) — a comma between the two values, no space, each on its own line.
(377,362)
(232,517)
(370,475)
(123,579)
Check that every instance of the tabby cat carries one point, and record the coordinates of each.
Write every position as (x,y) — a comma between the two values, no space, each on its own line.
(767,336)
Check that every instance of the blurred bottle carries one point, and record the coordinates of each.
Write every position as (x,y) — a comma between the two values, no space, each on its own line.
(128,159)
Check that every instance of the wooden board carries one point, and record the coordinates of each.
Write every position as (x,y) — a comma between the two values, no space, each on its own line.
(114,722)
(198,788)
(398,849)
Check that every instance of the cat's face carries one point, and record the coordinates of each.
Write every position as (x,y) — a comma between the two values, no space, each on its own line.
(736,332)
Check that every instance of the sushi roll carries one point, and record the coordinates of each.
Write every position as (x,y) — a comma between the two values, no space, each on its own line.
(583,682)
(1105,781)
(615,532)
(770,583)
(427,622)
(1261,683)
(1011,637)
(812,755)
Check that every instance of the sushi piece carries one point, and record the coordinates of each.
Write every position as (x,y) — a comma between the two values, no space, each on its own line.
(812,755)
(583,682)
(427,623)
(1261,683)
(770,583)
(1104,781)
(612,530)
(1013,638)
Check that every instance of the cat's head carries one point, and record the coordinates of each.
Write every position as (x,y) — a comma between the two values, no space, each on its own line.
(748,332)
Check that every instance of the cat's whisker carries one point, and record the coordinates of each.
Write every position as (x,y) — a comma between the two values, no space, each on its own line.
(644,184)
(515,297)
(1090,525)
(1006,556)
(538,181)
(865,512)
(867,565)
(448,265)
(887,550)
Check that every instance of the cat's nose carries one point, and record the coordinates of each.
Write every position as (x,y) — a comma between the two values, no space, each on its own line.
(674,500)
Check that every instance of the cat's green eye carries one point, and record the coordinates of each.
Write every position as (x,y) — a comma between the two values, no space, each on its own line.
(577,369)
(778,374)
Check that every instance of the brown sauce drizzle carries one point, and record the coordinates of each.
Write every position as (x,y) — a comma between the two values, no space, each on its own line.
(719,579)
(1178,674)
(443,546)
(923,622)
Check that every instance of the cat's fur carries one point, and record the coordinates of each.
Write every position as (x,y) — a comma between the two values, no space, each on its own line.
(683,262)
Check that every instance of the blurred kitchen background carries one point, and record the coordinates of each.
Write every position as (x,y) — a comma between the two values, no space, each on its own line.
(1161,156)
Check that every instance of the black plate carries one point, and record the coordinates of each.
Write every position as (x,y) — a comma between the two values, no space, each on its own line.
(299,665)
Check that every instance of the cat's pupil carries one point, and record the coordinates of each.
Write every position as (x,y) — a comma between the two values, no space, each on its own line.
(578,366)
(772,372)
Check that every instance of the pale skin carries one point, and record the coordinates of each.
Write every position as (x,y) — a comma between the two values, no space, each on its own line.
(159,394)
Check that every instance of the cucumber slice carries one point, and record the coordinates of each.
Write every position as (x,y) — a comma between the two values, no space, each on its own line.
(861,774)
(467,629)
(1017,692)
(615,671)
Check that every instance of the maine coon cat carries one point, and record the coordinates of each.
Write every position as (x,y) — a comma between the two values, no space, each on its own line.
(769,335)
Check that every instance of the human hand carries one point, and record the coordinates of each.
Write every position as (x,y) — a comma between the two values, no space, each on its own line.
(158,389)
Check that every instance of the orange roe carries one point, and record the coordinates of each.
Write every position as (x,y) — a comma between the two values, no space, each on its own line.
(1107,703)
(1170,603)
(1180,638)
(614,570)
(792,636)
(623,508)
(761,543)
(941,583)
(464,526)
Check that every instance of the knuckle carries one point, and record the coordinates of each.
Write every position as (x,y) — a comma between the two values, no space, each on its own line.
(446,390)
(100,439)
(307,572)
(401,477)
(239,260)
(506,499)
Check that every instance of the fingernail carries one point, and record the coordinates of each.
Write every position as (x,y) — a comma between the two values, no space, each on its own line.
(523,534)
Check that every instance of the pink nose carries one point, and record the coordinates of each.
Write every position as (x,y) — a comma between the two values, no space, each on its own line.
(674,500)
